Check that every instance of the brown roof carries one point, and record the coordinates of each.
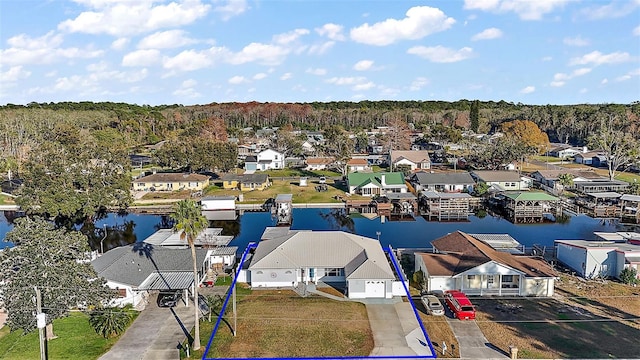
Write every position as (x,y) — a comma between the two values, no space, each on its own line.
(415,156)
(172,177)
(358,161)
(497,175)
(319,160)
(462,252)
(553,174)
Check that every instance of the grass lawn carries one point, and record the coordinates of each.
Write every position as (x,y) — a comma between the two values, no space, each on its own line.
(300,172)
(620,175)
(569,325)
(439,331)
(279,323)
(6,200)
(76,340)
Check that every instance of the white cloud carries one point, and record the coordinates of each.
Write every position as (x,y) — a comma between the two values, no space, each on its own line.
(526,10)
(575,41)
(289,37)
(604,81)
(557,83)
(560,79)
(363,87)
(286,76)
(357,83)
(231,8)
(189,83)
(528,90)
(331,31)
(420,21)
(125,17)
(636,31)
(320,49)
(265,54)
(165,40)
(598,58)
(42,50)
(237,80)
(615,9)
(119,44)
(441,54)
(187,89)
(547,58)
(188,60)
(316,71)
(487,34)
(14,74)
(628,76)
(418,83)
(363,65)
(141,58)
(259,76)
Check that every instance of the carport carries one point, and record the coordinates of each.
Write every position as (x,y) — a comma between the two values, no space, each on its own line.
(170,280)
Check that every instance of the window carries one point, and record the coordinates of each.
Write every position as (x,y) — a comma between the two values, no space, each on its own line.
(489,279)
(333,272)
(507,278)
(471,277)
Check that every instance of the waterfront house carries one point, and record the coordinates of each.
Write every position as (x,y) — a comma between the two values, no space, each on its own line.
(318,163)
(442,182)
(591,259)
(565,151)
(358,165)
(353,262)
(372,184)
(171,182)
(136,270)
(414,159)
(461,262)
(269,159)
(445,206)
(245,182)
(502,180)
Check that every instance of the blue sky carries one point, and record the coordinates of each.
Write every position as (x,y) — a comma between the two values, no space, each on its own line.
(201,51)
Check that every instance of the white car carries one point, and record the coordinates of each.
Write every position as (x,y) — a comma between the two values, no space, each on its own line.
(432,304)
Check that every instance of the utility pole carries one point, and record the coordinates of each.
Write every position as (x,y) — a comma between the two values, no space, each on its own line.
(42,323)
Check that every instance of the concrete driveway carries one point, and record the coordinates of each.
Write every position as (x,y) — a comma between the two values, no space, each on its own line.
(471,341)
(395,329)
(154,335)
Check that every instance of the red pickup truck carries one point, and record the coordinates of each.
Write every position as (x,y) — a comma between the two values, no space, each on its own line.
(460,305)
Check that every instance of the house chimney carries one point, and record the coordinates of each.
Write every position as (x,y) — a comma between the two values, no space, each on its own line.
(382,180)
(584,149)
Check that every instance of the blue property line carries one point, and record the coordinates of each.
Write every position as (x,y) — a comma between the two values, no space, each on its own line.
(400,274)
(413,306)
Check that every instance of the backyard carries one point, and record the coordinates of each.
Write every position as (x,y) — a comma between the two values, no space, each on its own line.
(583,320)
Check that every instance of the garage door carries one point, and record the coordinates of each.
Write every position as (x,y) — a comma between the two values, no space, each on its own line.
(374,289)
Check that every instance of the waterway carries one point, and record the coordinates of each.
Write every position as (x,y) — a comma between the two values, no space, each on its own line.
(411,232)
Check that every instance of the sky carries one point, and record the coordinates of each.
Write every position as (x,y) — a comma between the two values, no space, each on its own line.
(189,52)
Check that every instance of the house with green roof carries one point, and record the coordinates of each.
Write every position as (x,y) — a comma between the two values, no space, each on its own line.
(372,184)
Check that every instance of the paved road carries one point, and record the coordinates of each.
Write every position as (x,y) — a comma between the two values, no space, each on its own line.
(154,335)
(471,341)
(395,329)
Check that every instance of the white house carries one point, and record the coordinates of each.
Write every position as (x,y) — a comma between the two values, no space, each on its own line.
(503,180)
(460,261)
(358,164)
(598,258)
(414,159)
(318,163)
(135,270)
(309,257)
(266,160)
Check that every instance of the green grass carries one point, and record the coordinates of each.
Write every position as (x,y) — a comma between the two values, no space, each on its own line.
(76,340)
(300,172)
(223,281)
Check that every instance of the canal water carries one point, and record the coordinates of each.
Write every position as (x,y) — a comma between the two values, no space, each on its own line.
(409,232)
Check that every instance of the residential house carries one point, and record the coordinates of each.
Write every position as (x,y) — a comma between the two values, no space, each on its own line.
(246,150)
(265,160)
(351,261)
(592,259)
(502,180)
(136,270)
(586,158)
(442,182)
(308,147)
(372,184)
(171,182)
(461,262)
(358,165)
(208,238)
(565,151)
(245,182)
(414,159)
(585,181)
(318,163)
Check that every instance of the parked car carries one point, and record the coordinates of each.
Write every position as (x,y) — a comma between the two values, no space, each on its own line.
(432,304)
(323,180)
(460,305)
(169,298)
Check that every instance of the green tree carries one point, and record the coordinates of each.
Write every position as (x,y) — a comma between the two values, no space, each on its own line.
(109,321)
(340,146)
(566,180)
(189,220)
(629,276)
(418,279)
(215,304)
(55,260)
(474,116)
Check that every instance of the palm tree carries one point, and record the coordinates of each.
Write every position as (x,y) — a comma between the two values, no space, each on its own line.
(189,219)
(109,321)
(565,180)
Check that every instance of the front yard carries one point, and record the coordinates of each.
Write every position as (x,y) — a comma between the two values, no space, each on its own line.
(279,323)
(582,321)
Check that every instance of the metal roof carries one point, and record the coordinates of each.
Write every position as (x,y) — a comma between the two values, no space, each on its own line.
(531,196)
(400,196)
(175,280)
(209,237)
(605,195)
(591,244)
(435,195)
(500,242)
(223,251)
(629,197)
(425,178)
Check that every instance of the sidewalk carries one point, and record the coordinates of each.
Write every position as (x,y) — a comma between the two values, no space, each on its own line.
(471,340)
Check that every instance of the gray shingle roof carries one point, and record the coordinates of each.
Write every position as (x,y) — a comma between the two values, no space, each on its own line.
(130,264)
(361,257)
(459,178)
